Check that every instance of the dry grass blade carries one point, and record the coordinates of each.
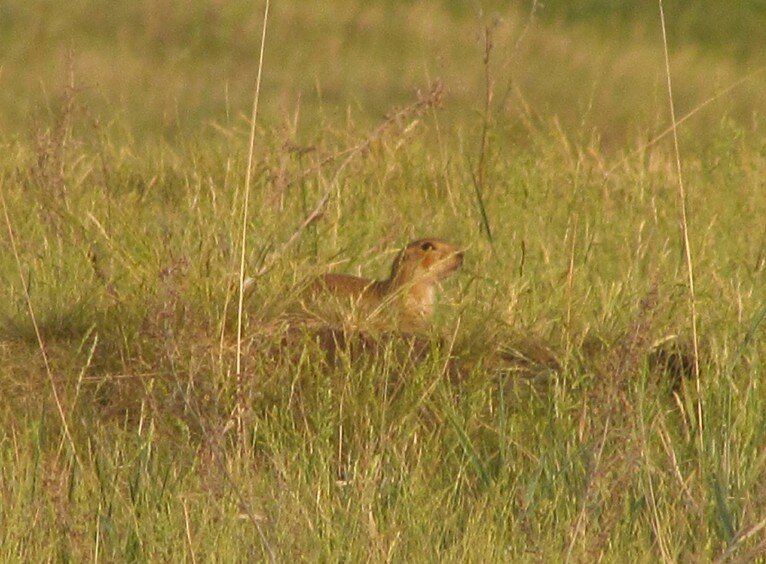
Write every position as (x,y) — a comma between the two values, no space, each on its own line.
(188,532)
(684,226)
(248,175)
(656,521)
(741,537)
(245,207)
(38,335)
(674,126)
(667,444)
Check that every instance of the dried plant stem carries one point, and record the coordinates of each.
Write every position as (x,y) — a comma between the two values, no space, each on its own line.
(684,224)
(511,56)
(570,274)
(736,543)
(479,178)
(188,532)
(424,102)
(240,305)
(40,343)
(691,113)
(245,206)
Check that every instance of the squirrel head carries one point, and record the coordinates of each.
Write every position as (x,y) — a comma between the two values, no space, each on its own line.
(426,260)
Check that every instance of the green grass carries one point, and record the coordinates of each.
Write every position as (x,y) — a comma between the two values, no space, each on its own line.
(124,190)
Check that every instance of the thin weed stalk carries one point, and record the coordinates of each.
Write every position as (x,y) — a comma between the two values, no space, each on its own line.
(688,115)
(479,178)
(684,226)
(245,206)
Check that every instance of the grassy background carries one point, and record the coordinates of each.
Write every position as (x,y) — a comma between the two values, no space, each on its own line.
(125,135)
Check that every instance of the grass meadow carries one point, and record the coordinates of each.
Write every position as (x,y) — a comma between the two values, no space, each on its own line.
(556,411)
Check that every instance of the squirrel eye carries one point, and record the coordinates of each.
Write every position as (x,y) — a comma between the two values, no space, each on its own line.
(427,246)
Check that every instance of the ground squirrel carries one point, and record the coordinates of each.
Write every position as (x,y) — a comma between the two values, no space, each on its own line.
(406,298)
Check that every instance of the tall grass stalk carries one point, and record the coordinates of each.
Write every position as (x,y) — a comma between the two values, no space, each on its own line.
(245,210)
(243,252)
(684,227)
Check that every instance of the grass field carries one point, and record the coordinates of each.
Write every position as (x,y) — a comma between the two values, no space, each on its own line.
(555,413)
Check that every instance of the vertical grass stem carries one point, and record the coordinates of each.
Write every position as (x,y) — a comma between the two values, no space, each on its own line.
(245,206)
(684,224)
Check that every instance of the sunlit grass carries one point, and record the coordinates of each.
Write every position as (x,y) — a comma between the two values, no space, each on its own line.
(536,425)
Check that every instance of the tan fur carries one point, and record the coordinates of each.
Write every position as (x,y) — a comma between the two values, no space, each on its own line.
(406,298)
